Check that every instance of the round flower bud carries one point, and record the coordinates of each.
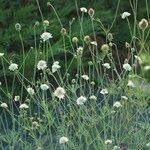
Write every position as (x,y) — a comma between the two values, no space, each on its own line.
(87,39)
(37,23)
(143,24)
(18,26)
(110,37)
(80,51)
(105,48)
(91,12)
(127,45)
(75,40)
(63,31)
(45,23)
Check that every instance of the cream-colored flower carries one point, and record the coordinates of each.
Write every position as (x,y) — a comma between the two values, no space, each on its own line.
(83,9)
(63,140)
(93,97)
(1,54)
(23,106)
(46,35)
(117,104)
(85,77)
(127,67)
(13,67)
(55,66)
(108,142)
(17,98)
(59,93)
(81,100)
(4,105)
(104,91)
(30,90)
(42,65)
(125,14)
(44,87)
(106,65)
(130,83)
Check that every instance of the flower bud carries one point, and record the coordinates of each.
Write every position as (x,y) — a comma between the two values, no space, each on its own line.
(110,37)
(87,39)
(143,24)
(127,45)
(18,26)
(105,48)
(63,31)
(45,23)
(91,12)
(80,51)
(75,40)
(37,23)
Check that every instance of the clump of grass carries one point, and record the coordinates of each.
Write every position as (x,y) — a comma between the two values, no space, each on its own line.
(101,103)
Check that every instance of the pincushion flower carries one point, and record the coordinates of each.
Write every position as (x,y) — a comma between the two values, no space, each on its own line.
(59,93)
(30,90)
(83,9)
(127,67)
(4,105)
(108,142)
(106,65)
(104,91)
(81,100)
(93,97)
(125,14)
(13,67)
(1,54)
(117,104)
(55,66)
(85,77)
(130,83)
(63,140)
(23,106)
(44,87)
(46,35)
(42,65)
(17,98)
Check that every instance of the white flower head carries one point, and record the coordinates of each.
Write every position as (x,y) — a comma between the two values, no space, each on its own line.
(127,67)
(146,68)
(130,83)
(23,106)
(93,97)
(117,104)
(42,65)
(94,43)
(63,140)
(13,67)
(30,90)
(44,87)
(108,142)
(59,93)
(125,14)
(83,9)
(138,59)
(124,97)
(4,105)
(1,54)
(104,91)
(46,35)
(55,66)
(106,65)
(17,98)
(81,100)
(85,77)
(116,147)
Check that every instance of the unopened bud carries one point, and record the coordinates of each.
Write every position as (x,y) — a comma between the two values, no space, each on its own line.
(143,24)
(91,12)
(87,39)
(75,40)
(18,26)
(45,23)
(63,31)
